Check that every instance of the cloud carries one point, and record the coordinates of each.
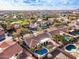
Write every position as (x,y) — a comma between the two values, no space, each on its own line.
(39,4)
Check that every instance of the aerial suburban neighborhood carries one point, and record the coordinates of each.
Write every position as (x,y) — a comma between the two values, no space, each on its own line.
(45,34)
(39,29)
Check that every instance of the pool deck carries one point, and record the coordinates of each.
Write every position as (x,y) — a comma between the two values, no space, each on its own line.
(74,53)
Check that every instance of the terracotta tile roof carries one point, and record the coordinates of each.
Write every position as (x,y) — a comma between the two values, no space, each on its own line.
(33,43)
(4,44)
(10,50)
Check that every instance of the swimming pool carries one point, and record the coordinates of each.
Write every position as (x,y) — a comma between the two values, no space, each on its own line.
(42,51)
(74,32)
(70,47)
(66,38)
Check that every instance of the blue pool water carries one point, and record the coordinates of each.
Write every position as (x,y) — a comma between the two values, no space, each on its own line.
(42,51)
(74,33)
(70,47)
(2,37)
(67,38)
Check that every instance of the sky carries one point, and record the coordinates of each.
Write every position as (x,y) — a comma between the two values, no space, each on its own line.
(39,4)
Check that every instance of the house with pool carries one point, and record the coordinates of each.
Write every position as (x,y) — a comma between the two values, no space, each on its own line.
(41,45)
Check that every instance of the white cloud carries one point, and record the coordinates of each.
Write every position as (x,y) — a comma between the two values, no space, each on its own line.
(42,4)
